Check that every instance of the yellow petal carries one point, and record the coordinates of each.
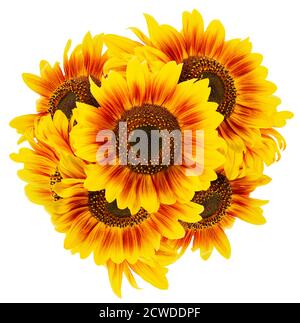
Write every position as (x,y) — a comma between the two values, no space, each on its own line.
(221,242)
(24,122)
(130,277)
(153,275)
(37,84)
(115,274)
(165,82)
(137,75)
(118,44)
(249,214)
(214,38)
(39,194)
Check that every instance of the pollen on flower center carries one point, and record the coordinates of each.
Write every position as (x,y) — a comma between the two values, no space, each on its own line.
(64,98)
(110,214)
(216,200)
(55,178)
(150,117)
(222,85)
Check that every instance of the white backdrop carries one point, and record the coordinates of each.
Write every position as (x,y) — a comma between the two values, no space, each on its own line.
(34,267)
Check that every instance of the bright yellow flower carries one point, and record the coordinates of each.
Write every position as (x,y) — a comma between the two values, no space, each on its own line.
(118,239)
(136,217)
(40,163)
(149,100)
(92,224)
(237,80)
(124,243)
(224,201)
(59,89)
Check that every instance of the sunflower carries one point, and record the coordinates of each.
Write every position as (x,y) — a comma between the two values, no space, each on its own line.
(41,160)
(59,89)
(223,202)
(237,80)
(92,224)
(121,241)
(148,101)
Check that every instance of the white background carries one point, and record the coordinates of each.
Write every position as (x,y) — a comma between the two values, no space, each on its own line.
(34,267)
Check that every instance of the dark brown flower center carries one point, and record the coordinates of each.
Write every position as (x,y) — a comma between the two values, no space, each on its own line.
(64,98)
(110,214)
(157,123)
(216,200)
(222,86)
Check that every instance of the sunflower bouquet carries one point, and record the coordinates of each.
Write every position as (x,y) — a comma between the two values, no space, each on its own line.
(152,146)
